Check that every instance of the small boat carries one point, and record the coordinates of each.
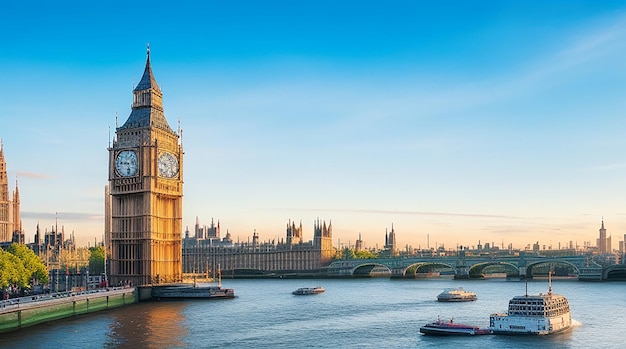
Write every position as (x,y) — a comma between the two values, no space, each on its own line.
(187,291)
(442,328)
(183,291)
(456,295)
(308,290)
(534,314)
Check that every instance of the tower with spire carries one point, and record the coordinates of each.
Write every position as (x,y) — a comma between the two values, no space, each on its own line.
(323,241)
(602,239)
(144,206)
(17,222)
(10,222)
(294,234)
(6,226)
(390,241)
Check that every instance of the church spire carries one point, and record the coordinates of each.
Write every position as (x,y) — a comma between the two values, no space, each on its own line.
(602,227)
(2,164)
(16,193)
(4,181)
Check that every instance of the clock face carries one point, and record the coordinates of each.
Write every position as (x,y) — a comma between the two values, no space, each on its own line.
(168,165)
(126,163)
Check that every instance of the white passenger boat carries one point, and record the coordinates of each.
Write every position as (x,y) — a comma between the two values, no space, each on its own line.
(541,314)
(308,290)
(456,295)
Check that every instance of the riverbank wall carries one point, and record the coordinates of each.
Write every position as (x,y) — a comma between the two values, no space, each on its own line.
(27,312)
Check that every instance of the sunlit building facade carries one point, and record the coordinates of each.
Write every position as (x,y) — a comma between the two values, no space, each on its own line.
(144,195)
(291,255)
(10,222)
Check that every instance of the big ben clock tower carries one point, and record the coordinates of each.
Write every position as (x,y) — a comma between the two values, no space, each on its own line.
(145,192)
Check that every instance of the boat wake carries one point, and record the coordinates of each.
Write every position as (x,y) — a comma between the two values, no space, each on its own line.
(576,323)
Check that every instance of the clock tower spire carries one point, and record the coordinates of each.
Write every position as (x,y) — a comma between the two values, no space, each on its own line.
(144,210)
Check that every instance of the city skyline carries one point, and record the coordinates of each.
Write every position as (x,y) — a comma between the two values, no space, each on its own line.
(485,121)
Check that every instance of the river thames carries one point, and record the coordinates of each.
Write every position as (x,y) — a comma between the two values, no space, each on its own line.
(352,313)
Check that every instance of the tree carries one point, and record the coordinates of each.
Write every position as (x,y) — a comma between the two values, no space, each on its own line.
(12,271)
(35,270)
(96,260)
(364,254)
(350,253)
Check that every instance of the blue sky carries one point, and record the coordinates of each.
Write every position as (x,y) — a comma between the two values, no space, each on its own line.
(454,121)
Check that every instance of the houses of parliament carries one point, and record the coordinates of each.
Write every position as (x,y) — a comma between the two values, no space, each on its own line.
(204,251)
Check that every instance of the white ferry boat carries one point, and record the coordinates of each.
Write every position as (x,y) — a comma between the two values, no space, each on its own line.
(308,291)
(535,314)
(456,295)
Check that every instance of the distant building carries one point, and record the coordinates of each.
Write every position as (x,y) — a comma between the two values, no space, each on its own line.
(358,246)
(602,241)
(10,222)
(207,232)
(391,248)
(294,234)
(53,241)
(287,256)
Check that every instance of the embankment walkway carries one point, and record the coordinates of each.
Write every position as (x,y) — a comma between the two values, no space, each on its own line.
(26,311)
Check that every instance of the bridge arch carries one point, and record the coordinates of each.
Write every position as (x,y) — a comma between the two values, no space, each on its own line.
(615,272)
(551,263)
(477,270)
(371,270)
(425,267)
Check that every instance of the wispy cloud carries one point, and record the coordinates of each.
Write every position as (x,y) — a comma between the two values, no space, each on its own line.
(358,102)
(400,212)
(597,41)
(608,167)
(32,175)
(72,216)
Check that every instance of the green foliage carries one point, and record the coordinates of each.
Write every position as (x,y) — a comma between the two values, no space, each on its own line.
(350,253)
(33,267)
(365,254)
(347,253)
(12,271)
(96,260)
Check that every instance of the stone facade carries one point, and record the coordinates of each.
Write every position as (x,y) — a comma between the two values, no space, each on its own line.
(10,222)
(144,197)
(259,258)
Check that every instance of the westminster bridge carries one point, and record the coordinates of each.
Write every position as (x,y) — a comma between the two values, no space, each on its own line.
(474,266)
